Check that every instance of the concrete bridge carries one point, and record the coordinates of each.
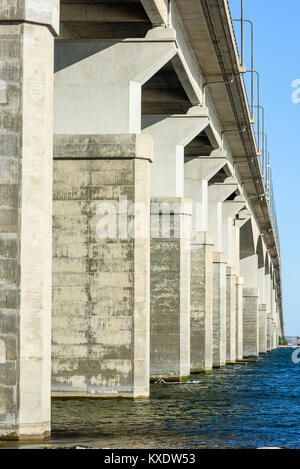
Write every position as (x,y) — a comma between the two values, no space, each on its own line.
(143,234)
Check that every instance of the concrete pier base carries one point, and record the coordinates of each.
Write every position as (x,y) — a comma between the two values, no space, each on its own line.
(201,301)
(101,262)
(230,316)
(170,289)
(239,285)
(219,309)
(262,328)
(250,322)
(26,140)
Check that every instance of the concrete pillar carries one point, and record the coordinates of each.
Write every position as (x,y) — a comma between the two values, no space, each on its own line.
(262,285)
(239,284)
(231,245)
(230,316)
(170,289)
(273,312)
(274,335)
(248,270)
(26,134)
(250,322)
(268,281)
(269,332)
(101,263)
(262,329)
(201,301)
(168,352)
(98,82)
(197,172)
(219,309)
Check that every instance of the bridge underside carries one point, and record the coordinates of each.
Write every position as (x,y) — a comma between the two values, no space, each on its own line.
(136,239)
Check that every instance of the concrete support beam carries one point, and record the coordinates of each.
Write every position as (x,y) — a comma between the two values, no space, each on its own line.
(250,322)
(262,329)
(230,316)
(26,135)
(103,12)
(239,284)
(156,10)
(101,263)
(201,301)
(98,82)
(171,134)
(219,309)
(170,289)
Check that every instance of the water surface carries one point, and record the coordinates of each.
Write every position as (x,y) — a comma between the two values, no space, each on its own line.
(237,407)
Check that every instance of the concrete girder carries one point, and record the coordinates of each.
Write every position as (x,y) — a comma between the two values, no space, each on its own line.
(156,10)
(185,63)
(101,12)
(98,82)
(170,135)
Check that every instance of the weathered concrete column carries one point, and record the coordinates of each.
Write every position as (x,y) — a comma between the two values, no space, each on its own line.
(230,316)
(219,309)
(262,329)
(231,245)
(250,322)
(171,133)
(197,172)
(268,283)
(26,133)
(249,272)
(201,301)
(170,288)
(101,263)
(239,284)
(269,332)
(272,334)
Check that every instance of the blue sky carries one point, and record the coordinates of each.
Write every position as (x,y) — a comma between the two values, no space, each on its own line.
(277,50)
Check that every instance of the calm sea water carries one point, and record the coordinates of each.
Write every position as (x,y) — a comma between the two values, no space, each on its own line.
(238,407)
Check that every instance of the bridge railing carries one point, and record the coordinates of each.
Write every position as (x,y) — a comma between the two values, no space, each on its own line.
(261,137)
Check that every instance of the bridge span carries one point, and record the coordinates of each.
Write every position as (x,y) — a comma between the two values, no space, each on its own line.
(138,235)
